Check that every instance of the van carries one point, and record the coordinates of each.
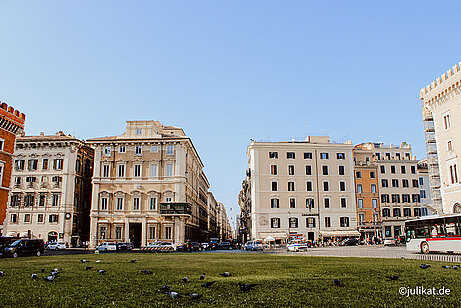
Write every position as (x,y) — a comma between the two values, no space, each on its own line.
(24,247)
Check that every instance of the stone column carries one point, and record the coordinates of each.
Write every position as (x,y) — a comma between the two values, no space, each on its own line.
(93,231)
(143,232)
(127,231)
(179,235)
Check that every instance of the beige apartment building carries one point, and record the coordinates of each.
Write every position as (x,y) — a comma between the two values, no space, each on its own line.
(148,185)
(50,194)
(301,189)
(441,109)
(398,186)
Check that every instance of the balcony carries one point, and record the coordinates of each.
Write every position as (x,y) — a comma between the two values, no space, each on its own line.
(173,208)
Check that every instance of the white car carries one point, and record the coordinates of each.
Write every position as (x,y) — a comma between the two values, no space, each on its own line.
(57,246)
(296,246)
(166,246)
(107,246)
(390,241)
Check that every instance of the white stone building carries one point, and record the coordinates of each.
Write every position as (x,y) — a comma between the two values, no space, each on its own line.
(301,189)
(50,189)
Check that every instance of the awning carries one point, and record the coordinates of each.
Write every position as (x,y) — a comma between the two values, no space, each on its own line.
(280,235)
(269,239)
(339,233)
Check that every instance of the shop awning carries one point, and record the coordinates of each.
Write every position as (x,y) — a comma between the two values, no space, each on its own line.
(339,233)
(280,235)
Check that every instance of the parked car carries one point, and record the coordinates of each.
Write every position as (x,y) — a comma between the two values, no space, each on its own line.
(196,246)
(56,246)
(390,241)
(296,246)
(224,246)
(124,246)
(349,242)
(24,247)
(205,245)
(254,245)
(107,246)
(166,246)
(213,243)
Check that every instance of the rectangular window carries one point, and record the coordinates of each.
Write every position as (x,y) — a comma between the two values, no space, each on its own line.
(413,169)
(340,156)
(293,222)
(374,203)
(386,213)
(136,202)
(274,186)
(358,174)
(291,186)
(138,131)
(106,151)
(325,170)
(154,148)
(168,233)
(57,164)
(343,202)
(153,170)
(323,155)
(396,212)
(344,222)
(42,200)
(275,203)
(310,222)
(308,170)
(169,169)
(14,218)
(137,171)
(19,164)
(102,232)
(310,203)
(55,200)
(415,198)
(45,164)
(405,183)
(122,149)
(40,218)
(53,218)
(382,169)
(361,218)
(406,212)
(291,155)
(417,211)
(292,203)
(422,194)
(152,233)
(326,203)
(119,205)
(29,200)
(118,232)
(360,203)
(27,218)
(403,170)
(385,198)
(373,189)
(372,175)
(446,121)
(415,183)
(104,203)
(105,171)
(138,150)
(169,149)
(152,203)
(275,222)
(341,170)
(274,169)
(421,181)
(397,156)
(121,171)
(273,155)
(395,198)
(384,183)
(342,186)
(291,170)
(327,222)
(326,186)
(395,183)
(392,169)
(307,155)
(449,146)
(309,186)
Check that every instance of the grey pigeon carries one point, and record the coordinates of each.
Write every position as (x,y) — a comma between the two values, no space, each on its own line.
(42,270)
(84,261)
(195,295)
(424,266)
(49,278)
(337,282)
(147,272)
(445,266)
(202,276)
(185,279)
(2,273)
(174,294)
(165,289)
(208,284)
(101,272)
(34,276)
(133,261)
(455,267)
(88,268)
(393,277)
(226,274)
(245,287)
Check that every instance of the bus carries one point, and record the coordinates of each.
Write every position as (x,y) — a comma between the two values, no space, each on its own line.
(434,233)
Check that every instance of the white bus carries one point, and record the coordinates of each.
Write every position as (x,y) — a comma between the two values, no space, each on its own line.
(434,233)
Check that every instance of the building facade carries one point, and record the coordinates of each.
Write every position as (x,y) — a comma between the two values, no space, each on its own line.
(11,125)
(212,217)
(367,192)
(425,189)
(302,189)
(398,186)
(244,200)
(441,109)
(51,189)
(148,185)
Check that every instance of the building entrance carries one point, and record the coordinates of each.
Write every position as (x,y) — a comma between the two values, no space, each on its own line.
(135,234)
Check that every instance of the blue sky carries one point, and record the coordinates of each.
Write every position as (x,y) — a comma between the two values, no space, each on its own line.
(227,71)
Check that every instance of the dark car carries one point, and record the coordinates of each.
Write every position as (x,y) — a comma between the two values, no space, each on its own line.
(350,242)
(196,246)
(224,245)
(124,246)
(24,247)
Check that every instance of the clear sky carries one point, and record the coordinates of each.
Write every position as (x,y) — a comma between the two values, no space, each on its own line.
(227,71)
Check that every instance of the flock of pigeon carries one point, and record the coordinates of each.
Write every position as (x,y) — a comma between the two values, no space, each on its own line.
(455,267)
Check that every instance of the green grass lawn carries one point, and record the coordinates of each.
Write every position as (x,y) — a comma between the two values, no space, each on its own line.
(283,281)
